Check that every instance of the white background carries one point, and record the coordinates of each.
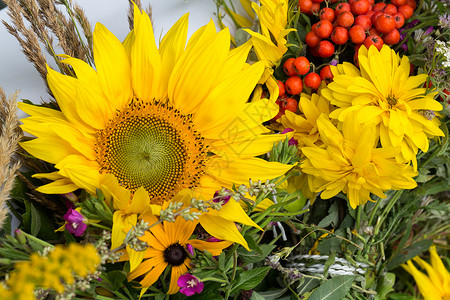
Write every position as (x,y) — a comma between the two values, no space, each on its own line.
(16,73)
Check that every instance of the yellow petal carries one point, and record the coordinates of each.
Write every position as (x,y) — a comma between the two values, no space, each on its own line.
(82,172)
(140,201)
(239,171)
(215,248)
(222,229)
(227,99)
(60,186)
(171,48)
(63,88)
(233,211)
(113,67)
(121,224)
(190,83)
(145,61)
(135,257)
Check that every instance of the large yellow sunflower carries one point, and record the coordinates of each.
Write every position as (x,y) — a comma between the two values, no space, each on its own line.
(382,92)
(164,119)
(168,247)
(435,286)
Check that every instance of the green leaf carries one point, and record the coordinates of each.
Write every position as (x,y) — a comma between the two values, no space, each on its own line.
(13,254)
(408,253)
(35,220)
(256,296)
(273,294)
(307,285)
(385,286)
(328,263)
(401,297)
(329,245)
(332,218)
(116,278)
(333,289)
(250,279)
(253,256)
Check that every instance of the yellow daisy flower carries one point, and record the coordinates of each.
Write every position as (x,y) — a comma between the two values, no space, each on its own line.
(164,119)
(349,162)
(381,91)
(435,286)
(304,125)
(168,247)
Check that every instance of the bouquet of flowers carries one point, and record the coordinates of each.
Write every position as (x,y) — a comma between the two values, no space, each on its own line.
(297,150)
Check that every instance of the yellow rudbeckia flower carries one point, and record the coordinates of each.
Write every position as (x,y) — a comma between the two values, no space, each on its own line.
(165,119)
(349,162)
(168,247)
(435,286)
(382,92)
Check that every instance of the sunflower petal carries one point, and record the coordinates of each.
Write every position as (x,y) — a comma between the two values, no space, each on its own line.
(222,229)
(113,67)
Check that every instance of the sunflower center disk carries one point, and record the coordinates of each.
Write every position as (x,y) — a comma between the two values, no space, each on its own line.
(154,146)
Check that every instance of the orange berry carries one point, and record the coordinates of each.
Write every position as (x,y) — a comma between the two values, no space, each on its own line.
(301,65)
(312,80)
(288,67)
(294,85)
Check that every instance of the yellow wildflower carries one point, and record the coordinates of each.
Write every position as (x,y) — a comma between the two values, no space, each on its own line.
(382,92)
(435,286)
(349,162)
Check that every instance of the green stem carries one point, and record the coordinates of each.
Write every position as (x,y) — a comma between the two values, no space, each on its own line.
(233,275)
(358,216)
(99,226)
(37,240)
(214,279)
(388,208)
(374,210)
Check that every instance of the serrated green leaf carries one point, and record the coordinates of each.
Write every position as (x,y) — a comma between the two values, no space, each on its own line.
(334,288)
(249,279)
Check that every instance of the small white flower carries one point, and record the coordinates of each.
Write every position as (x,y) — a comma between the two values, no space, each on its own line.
(444,49)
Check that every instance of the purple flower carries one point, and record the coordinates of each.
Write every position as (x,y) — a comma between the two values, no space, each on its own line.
(75,222)
(190,249)
(218,197)
(189,284)
(444,21)
(212,239)
(292,141)
(334,62)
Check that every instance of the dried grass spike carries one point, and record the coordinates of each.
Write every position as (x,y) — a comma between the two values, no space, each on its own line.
(10,135)
(131,12)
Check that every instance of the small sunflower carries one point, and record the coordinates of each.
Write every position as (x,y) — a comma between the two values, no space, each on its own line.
(168,248)
(382,92)
(349,162)
(435,286)
(165,119)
